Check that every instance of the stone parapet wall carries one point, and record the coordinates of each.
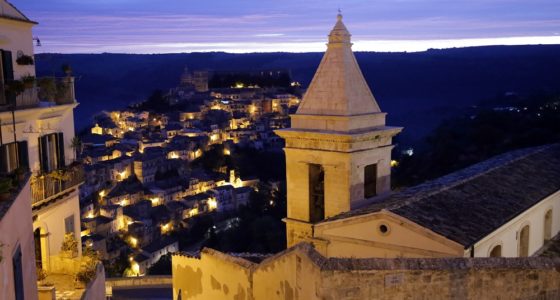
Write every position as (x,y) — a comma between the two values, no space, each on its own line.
(136,282)
(96,289)
(302,273)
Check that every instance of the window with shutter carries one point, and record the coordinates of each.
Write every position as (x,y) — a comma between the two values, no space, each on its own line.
(9,160)
(7,76)
(60,150)
(7,66)
(2,87)
(69,224)
(23,155)
(51,152)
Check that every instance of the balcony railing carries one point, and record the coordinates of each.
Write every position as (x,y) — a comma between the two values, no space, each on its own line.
(49,186)
(46,91)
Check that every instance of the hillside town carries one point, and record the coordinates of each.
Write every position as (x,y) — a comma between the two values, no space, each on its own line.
(244,185)
(142,179)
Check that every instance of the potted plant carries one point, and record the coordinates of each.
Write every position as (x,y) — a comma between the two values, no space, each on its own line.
(20,174)
(69,247)
(47,88)
(28,81)
(15,87)
(25,60)
(67,69)
(5,188)
(41,276)
(60,175)
(86,274)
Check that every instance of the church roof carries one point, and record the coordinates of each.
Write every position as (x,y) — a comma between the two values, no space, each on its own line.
(467,205)
(338,87)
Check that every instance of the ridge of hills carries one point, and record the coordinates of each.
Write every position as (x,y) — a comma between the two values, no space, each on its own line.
(418,90)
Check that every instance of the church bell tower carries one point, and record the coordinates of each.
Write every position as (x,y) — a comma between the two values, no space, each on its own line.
(338,149)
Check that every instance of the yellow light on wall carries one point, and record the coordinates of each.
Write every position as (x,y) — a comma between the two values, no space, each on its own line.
(122,175)
(239,85)
(193,212)
(165,228)
(212,204)
(173,155)
(90,215)
(102,194)
(133,241)
(155,201)
(394,163)
(227,152)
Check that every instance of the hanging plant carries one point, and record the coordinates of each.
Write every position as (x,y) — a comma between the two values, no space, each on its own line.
(25,60)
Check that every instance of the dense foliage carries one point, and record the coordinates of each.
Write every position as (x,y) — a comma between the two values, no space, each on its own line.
(260,228)
(497,126)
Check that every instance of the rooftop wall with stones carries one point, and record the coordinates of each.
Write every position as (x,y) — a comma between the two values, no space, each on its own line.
(302,273)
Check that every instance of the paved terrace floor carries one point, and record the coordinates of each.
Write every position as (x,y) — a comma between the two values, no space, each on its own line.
(143,294)
(65,289)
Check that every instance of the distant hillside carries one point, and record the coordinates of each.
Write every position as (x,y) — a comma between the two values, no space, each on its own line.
(418,90)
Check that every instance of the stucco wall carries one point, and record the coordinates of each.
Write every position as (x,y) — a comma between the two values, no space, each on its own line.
(361,237)
(16,229)
(508,235)
(96,289)
(58,118)
(302,273)
(16,36)
(51,220)
(215,276)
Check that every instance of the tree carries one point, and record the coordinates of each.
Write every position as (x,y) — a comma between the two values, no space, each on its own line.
(76,145)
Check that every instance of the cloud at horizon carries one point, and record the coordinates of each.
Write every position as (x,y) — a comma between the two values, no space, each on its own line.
(145,26)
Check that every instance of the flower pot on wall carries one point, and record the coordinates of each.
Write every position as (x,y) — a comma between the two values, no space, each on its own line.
(5,189)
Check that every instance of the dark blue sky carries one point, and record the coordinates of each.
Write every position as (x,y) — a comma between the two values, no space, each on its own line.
(150,26)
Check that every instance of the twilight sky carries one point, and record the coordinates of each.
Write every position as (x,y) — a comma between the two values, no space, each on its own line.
(169,26)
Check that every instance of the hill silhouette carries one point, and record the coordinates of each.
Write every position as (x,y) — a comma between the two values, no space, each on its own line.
(418,89)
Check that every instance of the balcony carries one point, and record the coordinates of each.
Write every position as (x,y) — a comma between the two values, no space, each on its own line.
(47,187)
(40,92)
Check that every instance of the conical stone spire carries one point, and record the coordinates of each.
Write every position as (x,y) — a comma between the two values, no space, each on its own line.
(337,136)
(338,87)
